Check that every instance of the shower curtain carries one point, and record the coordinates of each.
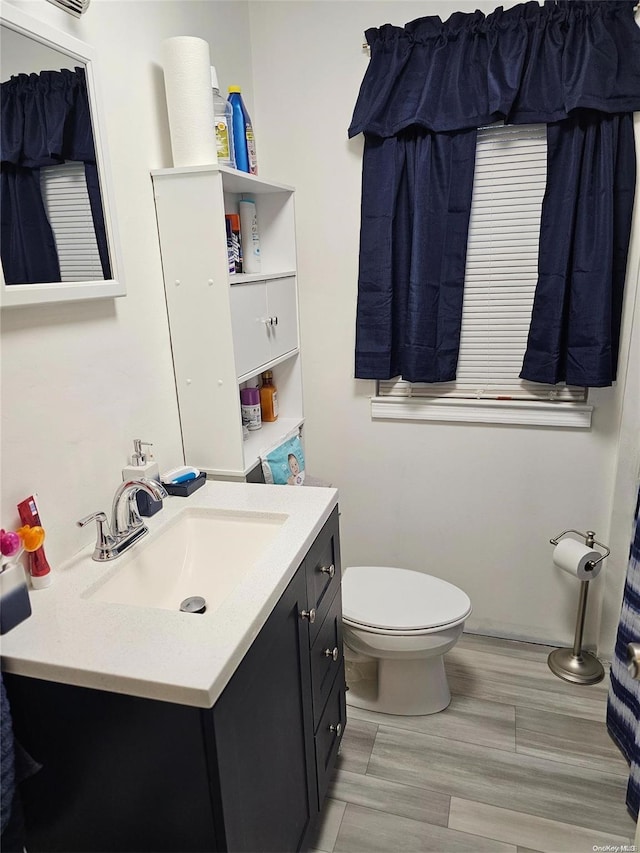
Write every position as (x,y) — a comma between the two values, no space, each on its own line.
(623,707)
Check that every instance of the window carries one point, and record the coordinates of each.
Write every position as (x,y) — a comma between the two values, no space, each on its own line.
(66,201)
(500,281)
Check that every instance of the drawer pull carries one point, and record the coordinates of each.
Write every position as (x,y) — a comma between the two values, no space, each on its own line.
(332,653)
(337,729)
(329,570)
(308,614)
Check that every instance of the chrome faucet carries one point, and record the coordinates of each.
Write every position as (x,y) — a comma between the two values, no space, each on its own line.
(126,525)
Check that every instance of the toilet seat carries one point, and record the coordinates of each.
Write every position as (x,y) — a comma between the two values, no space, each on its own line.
(386,600)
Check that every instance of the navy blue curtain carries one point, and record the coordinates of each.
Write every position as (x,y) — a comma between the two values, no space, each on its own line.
(415,213)
(572,65)
(45,120)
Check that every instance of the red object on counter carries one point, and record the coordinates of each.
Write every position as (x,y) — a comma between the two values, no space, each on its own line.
(39,568)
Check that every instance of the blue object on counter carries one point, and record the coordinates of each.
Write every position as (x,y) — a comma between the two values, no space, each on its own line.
(188,487)
(180,475)
(183,479)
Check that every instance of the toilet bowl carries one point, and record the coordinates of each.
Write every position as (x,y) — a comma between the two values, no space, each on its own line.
(398,624)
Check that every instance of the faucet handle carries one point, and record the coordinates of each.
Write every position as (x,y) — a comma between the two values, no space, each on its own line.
(104,540)
(100,517)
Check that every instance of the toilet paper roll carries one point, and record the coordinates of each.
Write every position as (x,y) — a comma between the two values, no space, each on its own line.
(187,80)
(573,557)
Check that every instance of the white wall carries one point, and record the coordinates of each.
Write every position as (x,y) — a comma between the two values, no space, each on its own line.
(628,461)
(20,54)
(80,381)
(473,504)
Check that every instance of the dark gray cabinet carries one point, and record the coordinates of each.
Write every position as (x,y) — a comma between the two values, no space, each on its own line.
(120,773)
(262,725)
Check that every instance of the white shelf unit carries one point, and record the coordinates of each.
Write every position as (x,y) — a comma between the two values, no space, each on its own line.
(227,329)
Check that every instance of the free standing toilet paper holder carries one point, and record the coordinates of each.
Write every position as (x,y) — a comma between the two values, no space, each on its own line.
(575,664)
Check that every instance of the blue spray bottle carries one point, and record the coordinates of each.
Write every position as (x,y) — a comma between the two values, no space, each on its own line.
(243,138)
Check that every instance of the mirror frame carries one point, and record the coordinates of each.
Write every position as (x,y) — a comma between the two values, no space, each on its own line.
(46,292)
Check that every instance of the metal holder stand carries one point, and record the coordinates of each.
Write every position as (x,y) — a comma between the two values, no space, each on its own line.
(575,664)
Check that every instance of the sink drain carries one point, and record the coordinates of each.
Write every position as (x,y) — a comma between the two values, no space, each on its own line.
(194,604)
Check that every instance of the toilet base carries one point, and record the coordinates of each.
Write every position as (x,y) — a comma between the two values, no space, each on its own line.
(412,687)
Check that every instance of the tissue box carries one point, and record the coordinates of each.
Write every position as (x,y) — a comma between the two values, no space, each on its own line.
(183,490)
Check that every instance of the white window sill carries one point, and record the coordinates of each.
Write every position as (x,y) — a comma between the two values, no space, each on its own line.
(525,412)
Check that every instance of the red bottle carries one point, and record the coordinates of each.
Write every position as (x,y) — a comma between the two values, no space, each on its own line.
(39,568)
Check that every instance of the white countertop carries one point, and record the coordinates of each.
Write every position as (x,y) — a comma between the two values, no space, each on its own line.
(161,654)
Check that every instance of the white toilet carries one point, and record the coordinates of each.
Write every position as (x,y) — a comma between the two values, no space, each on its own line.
(398,624)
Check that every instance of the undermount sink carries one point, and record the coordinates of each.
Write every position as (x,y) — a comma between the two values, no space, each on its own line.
(201,552)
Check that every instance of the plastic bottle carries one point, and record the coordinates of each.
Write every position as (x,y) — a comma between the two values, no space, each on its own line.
(223,118)
(243,137)
(143,465)
(236,243)
(268,398)
(231,260)
(249,235)
(250,408)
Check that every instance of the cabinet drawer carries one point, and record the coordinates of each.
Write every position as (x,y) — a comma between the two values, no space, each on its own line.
(329,735)
(323,572)
(326,657)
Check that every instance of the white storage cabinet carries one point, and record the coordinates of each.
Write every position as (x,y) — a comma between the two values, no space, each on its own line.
(226,329)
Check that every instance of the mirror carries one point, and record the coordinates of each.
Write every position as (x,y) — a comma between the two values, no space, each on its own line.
(59,239)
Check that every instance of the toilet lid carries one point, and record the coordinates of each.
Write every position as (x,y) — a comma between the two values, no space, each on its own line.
(400,599)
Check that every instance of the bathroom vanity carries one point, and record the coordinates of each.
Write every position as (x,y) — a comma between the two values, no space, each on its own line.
(233,748)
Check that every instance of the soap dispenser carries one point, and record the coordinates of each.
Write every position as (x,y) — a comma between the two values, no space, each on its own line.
(143,465)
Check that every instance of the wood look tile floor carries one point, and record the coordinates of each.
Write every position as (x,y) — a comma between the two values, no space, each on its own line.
(520,761)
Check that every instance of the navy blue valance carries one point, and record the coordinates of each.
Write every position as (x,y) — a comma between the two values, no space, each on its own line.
(526,64)
(45,120)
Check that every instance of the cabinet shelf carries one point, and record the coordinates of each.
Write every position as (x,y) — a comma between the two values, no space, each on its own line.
(227,329)
(245,277)
(267,366)
(235,181)
(263,440)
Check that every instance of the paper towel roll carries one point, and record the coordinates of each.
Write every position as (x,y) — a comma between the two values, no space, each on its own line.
(187,81)
(573,556)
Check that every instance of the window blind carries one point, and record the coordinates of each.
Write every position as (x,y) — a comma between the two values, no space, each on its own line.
(66,201)
(501,273)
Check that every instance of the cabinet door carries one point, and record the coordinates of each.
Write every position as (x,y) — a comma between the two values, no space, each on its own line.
(119,773)
(326,657)
(329,734)
(282,311)
(249,321)
(264,735)
(322,567)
